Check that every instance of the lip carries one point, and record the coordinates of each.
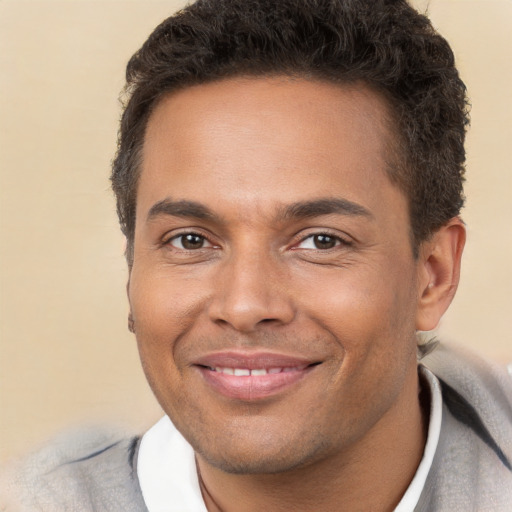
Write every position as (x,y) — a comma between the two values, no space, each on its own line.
(253,387)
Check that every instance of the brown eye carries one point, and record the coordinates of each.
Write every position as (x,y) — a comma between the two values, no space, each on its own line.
(321,241)
(324,241)
(189,241)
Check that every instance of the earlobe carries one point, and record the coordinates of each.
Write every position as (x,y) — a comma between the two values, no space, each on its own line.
(439,272)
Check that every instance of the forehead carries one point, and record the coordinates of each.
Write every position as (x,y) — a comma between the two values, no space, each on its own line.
(261,141)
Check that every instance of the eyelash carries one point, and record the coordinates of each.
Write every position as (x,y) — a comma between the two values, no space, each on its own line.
(338,241)
(182,235)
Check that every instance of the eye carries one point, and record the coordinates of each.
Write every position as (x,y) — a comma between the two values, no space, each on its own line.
(320,241)
(189,242)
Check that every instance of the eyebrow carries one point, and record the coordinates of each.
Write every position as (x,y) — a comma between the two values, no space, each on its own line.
(301,209)
(181,209)
(324,206)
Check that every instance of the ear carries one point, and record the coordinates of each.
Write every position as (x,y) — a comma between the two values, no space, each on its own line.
(439,271)
(131,321)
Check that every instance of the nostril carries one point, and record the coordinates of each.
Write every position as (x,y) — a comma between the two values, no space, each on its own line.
(267,320)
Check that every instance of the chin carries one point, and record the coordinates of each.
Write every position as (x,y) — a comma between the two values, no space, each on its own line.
(263,459)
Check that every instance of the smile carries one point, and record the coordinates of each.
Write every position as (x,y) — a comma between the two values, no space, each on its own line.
(252,377)
(246,372)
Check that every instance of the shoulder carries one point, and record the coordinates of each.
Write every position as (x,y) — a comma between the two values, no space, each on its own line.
(82,470)
(472,468)
(469,379)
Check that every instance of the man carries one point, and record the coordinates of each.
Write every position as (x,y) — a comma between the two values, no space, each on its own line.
(289,181)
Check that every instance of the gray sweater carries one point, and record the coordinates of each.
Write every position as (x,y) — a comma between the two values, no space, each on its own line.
(471,471)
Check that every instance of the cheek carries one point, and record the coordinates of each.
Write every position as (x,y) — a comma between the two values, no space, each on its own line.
(370,293)
(369,310)
(370,314)
(162,304)
(164,310)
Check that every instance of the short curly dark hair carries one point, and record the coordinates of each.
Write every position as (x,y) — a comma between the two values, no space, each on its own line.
(385,44)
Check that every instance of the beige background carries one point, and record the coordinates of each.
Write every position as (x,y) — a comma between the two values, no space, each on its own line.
(65,353)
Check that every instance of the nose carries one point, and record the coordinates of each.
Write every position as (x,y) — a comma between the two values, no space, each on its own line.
(251,291)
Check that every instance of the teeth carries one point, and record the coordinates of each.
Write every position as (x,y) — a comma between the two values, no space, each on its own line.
(245,372)
(229,371)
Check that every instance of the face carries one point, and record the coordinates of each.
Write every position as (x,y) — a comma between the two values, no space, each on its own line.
(273,287)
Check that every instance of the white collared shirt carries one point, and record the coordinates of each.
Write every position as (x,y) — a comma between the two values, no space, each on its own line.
(167,471)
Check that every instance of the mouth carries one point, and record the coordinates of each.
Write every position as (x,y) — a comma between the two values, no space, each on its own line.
(252,377)
(246,372)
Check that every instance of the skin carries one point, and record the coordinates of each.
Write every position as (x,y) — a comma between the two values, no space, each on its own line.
(351,431)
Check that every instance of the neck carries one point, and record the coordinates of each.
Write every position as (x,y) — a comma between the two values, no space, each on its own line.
(371,474)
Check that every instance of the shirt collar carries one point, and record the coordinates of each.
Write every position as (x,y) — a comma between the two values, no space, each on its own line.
(412,495)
